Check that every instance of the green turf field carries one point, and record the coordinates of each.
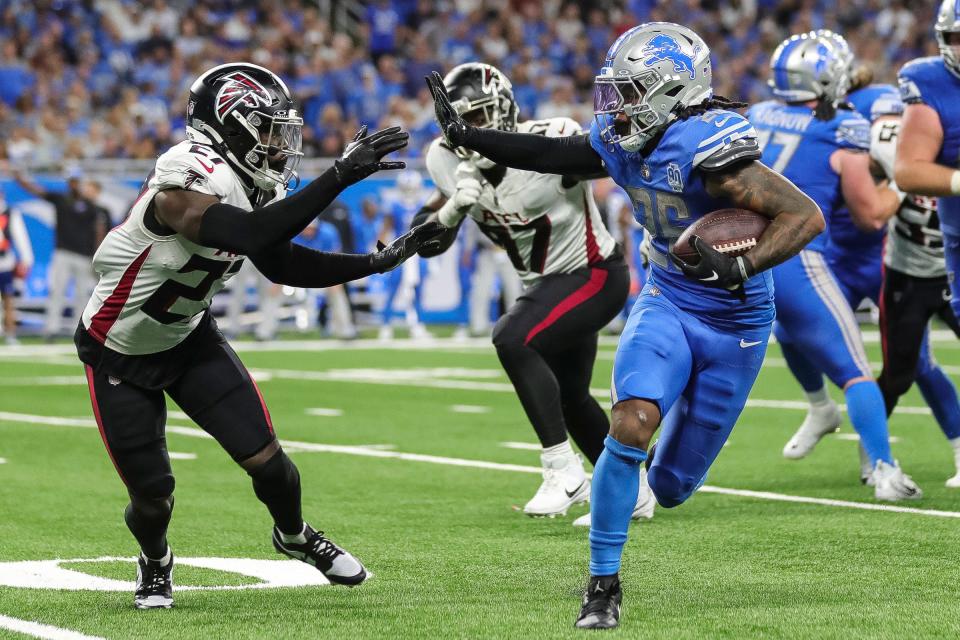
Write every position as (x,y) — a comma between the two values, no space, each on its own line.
(452,556)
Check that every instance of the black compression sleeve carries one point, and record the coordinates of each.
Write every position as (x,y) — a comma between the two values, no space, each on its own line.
(227,227)
(571,155)
(298,266)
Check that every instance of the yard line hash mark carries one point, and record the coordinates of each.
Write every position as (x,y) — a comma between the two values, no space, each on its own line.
(38,630)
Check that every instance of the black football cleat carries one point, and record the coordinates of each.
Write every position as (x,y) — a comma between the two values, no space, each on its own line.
(154,584)
(334,562)
(601,603)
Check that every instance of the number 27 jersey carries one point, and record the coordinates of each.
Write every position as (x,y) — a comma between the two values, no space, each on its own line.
(154,287)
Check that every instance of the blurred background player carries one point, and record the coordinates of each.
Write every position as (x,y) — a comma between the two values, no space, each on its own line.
(695,341)
(323,236)
(16,259)
(489,267)
(403,286)
(822,147)
(575,279)
(926,166)
(80,226)
(269,297)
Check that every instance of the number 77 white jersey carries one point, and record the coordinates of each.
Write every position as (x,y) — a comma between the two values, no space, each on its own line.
(154,287)
(544,227)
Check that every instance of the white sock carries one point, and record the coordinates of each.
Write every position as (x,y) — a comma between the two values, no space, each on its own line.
(164,561)
(298,538)
(557,451)
(819,399)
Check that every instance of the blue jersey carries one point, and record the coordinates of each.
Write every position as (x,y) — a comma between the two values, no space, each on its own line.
(875,100)
(928,81)
(402,213)
(669,193)
(327,238)
(872,102)
(799,146)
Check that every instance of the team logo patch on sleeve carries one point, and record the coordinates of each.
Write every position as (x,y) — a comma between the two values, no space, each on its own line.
(239,88)
(193,177)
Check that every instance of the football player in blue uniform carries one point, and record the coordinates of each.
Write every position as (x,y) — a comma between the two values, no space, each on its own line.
(695,339)
(403,285)
(927,165)
(855,254)
(821,148)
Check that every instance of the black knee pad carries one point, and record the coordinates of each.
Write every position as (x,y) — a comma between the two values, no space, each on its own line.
(278,475)
(505,336)
(152,509)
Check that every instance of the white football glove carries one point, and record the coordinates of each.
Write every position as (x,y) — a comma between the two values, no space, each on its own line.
(884,134)
(465,196)
(883,143)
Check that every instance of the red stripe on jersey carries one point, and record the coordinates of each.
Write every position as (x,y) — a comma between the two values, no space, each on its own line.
(104,319)
(96,415)
(263,405)
(593,251)
(598,277)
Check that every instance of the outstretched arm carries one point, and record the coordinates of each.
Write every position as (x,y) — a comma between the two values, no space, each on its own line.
(203,219)
(571,156)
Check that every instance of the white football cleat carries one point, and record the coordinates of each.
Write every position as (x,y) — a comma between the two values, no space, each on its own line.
(419,332)
(954,482)
(564,484)
(385,334)
(820,421)
(643,510)
(892,484)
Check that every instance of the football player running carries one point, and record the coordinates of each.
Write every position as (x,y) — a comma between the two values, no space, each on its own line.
(576,280)
(923,251)
(821,146)
(908,291)
(147,330)
(695,339)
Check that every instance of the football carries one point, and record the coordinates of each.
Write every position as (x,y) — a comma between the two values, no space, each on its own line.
(729,231)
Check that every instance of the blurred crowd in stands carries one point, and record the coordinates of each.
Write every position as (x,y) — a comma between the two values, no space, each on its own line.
(109,78)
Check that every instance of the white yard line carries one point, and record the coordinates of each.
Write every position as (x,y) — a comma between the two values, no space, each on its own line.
(375,451)
(177,455)
(38,630)
(469,408)
(522,446)
(3,461)
(325,412)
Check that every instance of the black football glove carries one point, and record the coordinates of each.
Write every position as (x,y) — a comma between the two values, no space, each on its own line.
(452,126)
(716,269)
(363,155)
(426,236)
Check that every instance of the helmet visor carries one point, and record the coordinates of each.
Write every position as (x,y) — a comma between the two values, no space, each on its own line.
(281,141)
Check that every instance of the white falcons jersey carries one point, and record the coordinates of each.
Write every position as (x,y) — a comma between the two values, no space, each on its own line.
(543,227)
(154,289)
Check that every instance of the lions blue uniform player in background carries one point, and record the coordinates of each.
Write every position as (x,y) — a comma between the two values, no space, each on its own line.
(855,254)
(695,339)
(821,148)
(927,164)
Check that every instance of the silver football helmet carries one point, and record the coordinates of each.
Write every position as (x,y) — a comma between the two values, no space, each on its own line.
(651,72)
(841,45)
(809,67)
(948,22)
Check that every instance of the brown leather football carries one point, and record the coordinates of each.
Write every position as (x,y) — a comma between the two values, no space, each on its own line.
(729,231)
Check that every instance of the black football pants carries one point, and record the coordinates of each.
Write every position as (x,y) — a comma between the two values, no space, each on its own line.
(547,343)
(906,305)
(217,392)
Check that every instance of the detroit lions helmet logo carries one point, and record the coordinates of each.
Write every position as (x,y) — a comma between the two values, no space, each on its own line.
(663,47)
(239,88)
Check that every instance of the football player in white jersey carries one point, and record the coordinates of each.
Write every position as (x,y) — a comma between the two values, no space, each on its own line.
(214,199)
(575,279)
